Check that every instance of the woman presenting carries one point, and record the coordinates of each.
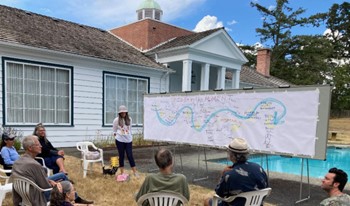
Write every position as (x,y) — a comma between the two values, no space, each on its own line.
(123,138)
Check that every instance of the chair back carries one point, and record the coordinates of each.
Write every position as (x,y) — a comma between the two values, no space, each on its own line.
(253,198)
(42,162)
(6,187)
(23,186)
(89,156)
(162,199)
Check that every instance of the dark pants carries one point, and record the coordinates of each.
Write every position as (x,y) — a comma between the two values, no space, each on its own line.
(122,149)
(51,163)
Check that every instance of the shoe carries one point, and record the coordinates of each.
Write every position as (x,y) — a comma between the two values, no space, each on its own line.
(82,201)
(136,174)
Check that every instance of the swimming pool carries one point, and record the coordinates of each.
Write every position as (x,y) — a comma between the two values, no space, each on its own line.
(336,157)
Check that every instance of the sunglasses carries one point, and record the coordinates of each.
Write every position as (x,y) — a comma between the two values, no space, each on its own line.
(10,139)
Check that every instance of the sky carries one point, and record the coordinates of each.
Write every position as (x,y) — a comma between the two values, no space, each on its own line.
(237,16)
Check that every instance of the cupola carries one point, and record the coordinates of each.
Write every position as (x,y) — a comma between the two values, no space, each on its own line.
(149,9)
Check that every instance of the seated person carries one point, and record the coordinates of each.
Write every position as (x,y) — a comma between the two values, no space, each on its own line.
(26,166)
(333,183)
(54,159)
(9,153)
(62,194)
(242,176)
(165,180)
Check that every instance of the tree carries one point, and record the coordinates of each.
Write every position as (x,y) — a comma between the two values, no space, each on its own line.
(276,31)
(310,59)
(338,22)
(305,64)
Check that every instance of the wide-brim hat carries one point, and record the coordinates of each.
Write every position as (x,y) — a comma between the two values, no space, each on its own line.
(238,145)
(122,108)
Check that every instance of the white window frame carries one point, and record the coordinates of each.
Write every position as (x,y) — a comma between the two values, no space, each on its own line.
(135,122)
(40,65)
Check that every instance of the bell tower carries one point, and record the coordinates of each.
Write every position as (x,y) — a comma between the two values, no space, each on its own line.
(149,9)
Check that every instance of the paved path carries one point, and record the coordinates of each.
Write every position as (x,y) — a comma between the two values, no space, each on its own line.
(285,188)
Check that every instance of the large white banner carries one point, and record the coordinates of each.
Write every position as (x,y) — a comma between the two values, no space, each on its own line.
(271,122)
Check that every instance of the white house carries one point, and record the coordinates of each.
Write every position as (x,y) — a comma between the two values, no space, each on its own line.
(73,77)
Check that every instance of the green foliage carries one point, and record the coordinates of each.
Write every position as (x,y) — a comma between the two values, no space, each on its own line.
(250,54)
(309,59)
(341,91)
(102,141)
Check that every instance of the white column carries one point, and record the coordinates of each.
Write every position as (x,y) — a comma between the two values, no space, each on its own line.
(221,78)
(205,71)
(186,75)
(235,79)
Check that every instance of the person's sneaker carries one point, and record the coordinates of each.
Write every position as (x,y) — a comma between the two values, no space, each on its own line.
(80,200)
(136,174)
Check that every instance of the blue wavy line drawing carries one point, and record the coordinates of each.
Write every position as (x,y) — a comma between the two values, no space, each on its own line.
(276,118)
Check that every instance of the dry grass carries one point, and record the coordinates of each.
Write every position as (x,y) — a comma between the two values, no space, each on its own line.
(106,191)
(342,127)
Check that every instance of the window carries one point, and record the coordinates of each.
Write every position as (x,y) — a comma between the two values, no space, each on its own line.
(124,90)
(36,92)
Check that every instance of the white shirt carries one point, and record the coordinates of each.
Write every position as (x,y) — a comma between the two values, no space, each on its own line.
(122,133)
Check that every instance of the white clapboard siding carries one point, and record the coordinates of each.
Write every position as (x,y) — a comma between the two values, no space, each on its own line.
(88,91)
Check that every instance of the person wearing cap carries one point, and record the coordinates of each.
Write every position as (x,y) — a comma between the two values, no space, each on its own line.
(242,176)
(9,153)
(333,183)
(123,138)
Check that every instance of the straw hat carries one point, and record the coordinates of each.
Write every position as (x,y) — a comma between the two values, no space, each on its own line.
(122,108)
(238,145)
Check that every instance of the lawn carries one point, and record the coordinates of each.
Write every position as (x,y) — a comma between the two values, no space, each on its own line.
(106,191)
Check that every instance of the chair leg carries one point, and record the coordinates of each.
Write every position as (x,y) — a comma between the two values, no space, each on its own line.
(85,168)
(214,201)
(2,197)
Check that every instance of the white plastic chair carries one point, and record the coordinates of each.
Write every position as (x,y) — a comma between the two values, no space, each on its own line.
(6,187)
(165,198)
(253,198)
(84,148)
(48,170)
(22,186)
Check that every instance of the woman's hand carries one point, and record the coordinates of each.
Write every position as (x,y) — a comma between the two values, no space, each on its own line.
(60,152)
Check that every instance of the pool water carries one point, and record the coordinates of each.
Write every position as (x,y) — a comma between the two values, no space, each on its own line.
(336,157)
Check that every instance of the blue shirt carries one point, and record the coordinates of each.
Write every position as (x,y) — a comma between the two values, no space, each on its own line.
(244,177)
(9,154)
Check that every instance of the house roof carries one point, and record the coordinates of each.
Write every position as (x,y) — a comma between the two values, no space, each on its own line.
(147,33)
(30,29)
(183,40)
(251,76)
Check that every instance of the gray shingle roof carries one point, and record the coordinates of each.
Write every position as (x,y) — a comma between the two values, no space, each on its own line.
(30,29)
(184,40)
(251,76)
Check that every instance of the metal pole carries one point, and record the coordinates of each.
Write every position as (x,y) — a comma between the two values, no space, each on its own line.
(301,181)
(205,156)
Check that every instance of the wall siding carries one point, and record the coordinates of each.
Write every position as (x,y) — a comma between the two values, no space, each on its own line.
(87,100)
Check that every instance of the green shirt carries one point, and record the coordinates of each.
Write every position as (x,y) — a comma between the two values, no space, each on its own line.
(160,182)
(340,200)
